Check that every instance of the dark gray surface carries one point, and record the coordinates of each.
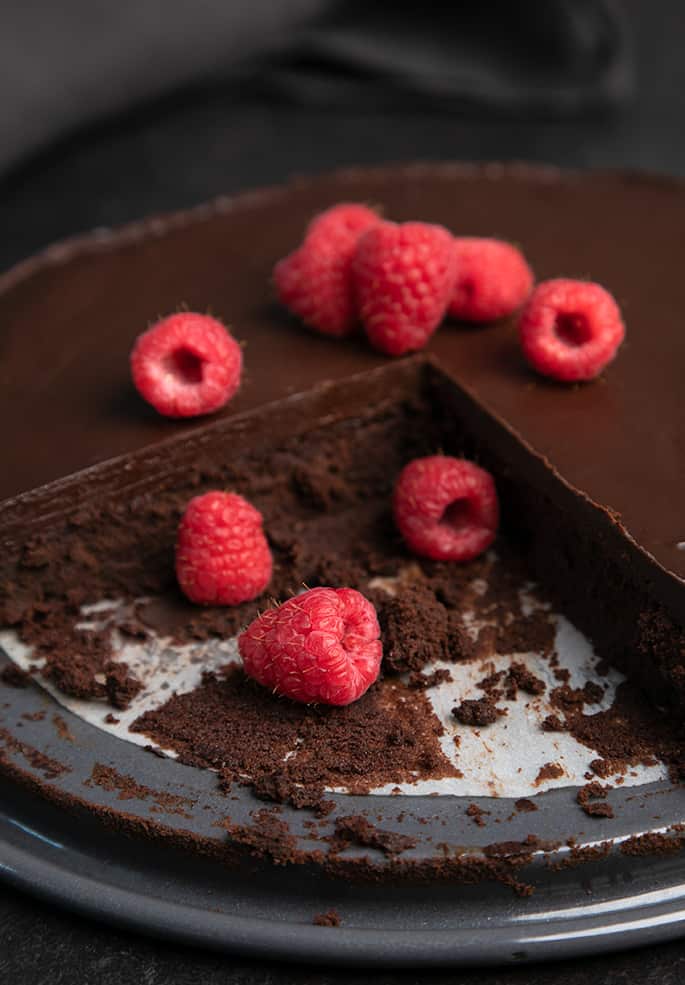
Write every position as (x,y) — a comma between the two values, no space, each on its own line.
(63,65)
(175,155)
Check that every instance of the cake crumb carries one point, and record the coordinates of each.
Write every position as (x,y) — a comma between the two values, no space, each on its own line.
(477,711)
(14,676)
(550,771)
(477,814)
(552,723)
(331,918)
(591,798)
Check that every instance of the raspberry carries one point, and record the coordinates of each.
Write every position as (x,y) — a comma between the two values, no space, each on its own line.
(404,277)
(446,508)
(315,282)
(570,329)
(321,646)
(349,218)
(186,365)
(493,280)
(222,557)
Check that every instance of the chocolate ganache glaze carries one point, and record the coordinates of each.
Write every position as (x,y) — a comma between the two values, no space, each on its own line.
(592,476)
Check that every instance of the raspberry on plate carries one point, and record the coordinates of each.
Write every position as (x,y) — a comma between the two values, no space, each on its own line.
(446,508)
(403,278)
(570,330)
(314,282)
(222,555)
(186,365)
(322,646)
(493,279)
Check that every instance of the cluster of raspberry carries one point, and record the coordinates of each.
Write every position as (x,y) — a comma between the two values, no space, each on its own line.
(399,281)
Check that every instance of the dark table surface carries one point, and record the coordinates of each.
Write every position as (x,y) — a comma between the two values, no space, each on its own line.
(187,149)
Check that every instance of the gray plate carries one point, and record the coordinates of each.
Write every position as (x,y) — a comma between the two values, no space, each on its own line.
(74,859)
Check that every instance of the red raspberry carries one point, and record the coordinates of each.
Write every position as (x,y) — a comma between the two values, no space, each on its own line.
(315,282)
(321,646)
(493,279)
(222,557)
(186,365)
(446,508)
(570,329)
(346,217)
(404,278)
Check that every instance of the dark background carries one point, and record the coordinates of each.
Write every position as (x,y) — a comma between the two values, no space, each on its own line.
(220,140)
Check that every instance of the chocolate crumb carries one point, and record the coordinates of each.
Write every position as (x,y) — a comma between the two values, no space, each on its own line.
(62,728)
(33,716)
(128,788)
(49,767)
(331,918)
(525,679)
(279,786)
(477,711)
(356,829)
(120,686)
(550,771)
(591,798)
(552,723)
(421,681)
(15,676)
(477,814)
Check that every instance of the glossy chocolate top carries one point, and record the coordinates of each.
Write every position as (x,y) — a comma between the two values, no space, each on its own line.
(68,319)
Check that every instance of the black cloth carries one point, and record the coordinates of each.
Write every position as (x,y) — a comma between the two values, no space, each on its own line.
(67,63)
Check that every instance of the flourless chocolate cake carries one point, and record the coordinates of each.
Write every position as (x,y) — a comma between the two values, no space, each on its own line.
(590,476)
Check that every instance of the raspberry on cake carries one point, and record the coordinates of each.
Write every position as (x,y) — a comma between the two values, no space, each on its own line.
(322,646)
(403,278)
(186,365)
(446,508)
(222,555)
(314,282)
(493,279)
(570,330)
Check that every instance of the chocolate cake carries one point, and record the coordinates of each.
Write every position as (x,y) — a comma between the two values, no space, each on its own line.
(590,477)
